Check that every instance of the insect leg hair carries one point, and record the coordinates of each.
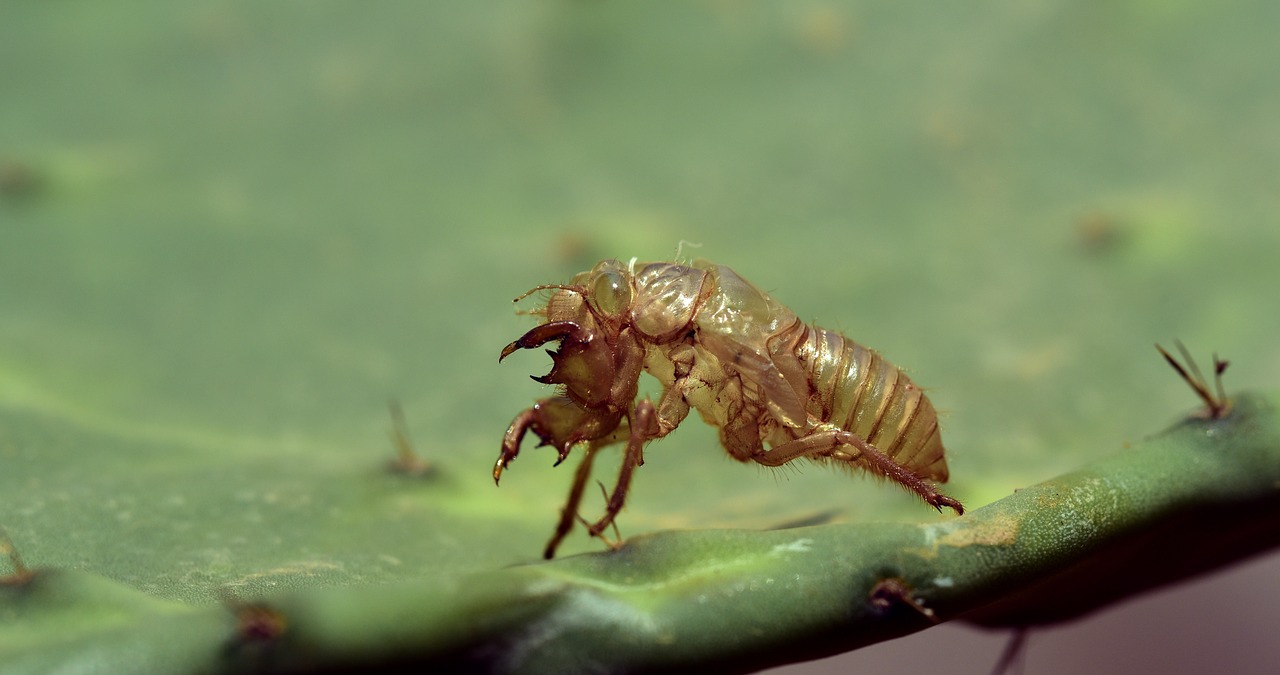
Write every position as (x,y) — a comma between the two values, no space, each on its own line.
(828,443)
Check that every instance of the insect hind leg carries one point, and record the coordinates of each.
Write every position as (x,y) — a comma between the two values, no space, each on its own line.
(834,444)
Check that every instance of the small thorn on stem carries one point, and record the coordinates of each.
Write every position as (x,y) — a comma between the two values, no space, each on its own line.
(256,622)
(407,460)
(1219,367)
(1014,653)
(1217,405)
(889,592)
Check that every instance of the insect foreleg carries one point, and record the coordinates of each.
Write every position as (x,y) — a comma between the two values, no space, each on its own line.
(644,428)
(673,407)
(511,441)
(836,444)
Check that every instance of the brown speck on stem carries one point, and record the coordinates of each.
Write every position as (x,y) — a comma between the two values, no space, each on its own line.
(890,592)
(257,622)
(1099,232)
(1216,403)
(17,180)
(21,573)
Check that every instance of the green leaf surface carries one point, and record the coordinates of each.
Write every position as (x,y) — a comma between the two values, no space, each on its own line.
(231,233)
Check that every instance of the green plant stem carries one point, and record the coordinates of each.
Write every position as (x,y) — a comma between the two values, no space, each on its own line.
(1198,496)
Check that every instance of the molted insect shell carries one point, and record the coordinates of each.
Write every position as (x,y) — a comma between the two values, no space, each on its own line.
(778,389)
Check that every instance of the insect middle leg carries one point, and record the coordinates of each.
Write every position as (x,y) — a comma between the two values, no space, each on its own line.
(644,428)
(832,443)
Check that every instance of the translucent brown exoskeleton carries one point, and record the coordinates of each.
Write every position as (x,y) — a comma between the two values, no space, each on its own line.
(778,389)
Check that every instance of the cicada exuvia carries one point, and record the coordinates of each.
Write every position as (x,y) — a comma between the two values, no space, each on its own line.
(777,388)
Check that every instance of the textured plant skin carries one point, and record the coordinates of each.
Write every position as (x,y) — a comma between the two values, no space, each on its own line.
(1200,495)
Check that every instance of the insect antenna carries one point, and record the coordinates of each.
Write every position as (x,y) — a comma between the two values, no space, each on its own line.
(545,308)
(1216,405)
(543,287)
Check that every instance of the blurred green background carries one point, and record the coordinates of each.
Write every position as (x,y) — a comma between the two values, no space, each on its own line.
(231,233)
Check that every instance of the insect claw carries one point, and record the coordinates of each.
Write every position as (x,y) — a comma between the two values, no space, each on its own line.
(547,332)
(942,500)
(564,453)
(550,377)
(497,470)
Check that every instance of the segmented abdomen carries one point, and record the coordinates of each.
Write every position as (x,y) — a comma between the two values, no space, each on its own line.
(858,390)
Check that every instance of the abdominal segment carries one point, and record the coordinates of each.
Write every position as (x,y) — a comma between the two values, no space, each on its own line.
(860,391)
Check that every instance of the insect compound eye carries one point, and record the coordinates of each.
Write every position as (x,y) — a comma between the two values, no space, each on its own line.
(611,292)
